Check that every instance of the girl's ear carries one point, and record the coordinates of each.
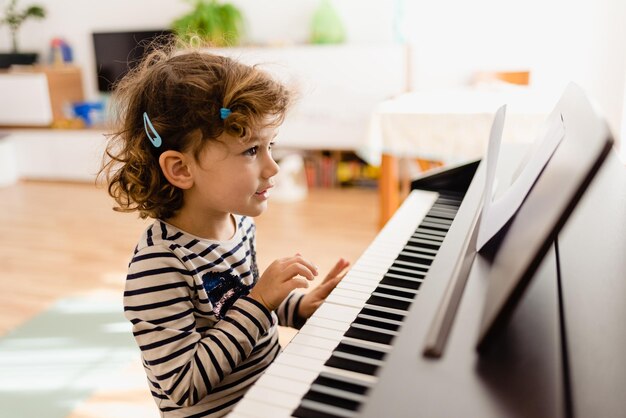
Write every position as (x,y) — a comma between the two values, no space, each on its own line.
(175,168)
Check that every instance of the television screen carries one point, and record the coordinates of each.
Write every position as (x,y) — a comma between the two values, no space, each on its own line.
(118,52)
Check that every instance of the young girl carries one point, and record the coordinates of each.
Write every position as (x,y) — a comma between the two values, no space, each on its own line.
(193,152)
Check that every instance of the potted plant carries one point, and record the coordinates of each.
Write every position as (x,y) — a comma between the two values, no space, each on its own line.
(220,24)
(14,19)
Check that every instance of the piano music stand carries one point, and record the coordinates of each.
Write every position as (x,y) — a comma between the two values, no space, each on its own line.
(545,210)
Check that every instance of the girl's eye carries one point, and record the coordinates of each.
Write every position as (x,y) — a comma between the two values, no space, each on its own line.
(251,151)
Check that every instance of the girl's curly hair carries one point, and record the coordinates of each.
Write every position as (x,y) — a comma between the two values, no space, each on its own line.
(182,92)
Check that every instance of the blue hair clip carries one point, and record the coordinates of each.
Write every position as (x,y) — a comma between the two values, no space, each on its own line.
(155,138)
(224,112)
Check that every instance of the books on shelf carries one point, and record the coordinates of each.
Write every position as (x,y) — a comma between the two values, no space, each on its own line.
(338,169)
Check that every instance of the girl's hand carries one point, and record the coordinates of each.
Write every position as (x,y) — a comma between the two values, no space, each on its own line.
(280,278)
(312,300)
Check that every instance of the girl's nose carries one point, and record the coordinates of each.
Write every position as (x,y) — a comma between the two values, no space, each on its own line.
(271,168)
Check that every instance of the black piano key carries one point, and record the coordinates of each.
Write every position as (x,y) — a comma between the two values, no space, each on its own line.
(408,283)
(404,276)
(368,335)
(304,412)
(442,207)
(410,264)
(444,222)
(395,292)
(404,265)
(450,205)
(335,401)
(405,272)
(389,303)
(412,259)
(435,226)
(382,314)
(418,256)
(441,214)
(421,250)
(339,384)
(375,318)
(338,392)
(426,240)
(351,365)
(446,204)
(360,351)
(430,231)
(377,324)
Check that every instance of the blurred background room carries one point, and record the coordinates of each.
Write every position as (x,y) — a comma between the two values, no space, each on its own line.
(387,89)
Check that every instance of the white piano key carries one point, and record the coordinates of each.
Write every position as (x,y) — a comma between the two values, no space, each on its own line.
(336,312)
(370,283)
(369,272)
(270,396)
(368,266)
(319,332)
(361,282)
(328,323)
(364,276)
(254,408)
(373,256)
(350,294)
(308,340)
(356,287)
(290,372)
(340,300)
(304,363)
(306,351)
(281,384)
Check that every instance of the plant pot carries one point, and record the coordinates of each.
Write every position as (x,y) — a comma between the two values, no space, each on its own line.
(17,58)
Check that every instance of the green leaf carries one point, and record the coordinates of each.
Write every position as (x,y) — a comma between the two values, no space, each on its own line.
(219,24)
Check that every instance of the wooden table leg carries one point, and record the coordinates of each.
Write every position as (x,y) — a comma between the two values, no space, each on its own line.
(388,188)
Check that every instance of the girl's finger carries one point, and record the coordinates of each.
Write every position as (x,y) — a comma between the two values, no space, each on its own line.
(298,282)
(296,269)
(299,259)
(337,268)
(324,289)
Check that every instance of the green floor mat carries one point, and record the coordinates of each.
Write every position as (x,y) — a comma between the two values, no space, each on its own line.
(57,359)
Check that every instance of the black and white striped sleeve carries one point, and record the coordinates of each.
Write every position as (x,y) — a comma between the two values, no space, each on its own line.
(287,312)
(158,301)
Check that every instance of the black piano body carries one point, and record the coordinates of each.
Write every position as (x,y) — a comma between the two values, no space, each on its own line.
(562,352)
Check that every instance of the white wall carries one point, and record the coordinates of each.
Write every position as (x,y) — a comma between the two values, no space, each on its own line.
(558,40)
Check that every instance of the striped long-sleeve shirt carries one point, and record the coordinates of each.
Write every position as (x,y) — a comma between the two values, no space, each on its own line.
(203,341)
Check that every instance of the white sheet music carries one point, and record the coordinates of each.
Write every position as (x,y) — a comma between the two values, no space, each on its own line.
(496,214)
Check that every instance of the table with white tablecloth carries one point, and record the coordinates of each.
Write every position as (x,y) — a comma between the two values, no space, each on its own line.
(450,126)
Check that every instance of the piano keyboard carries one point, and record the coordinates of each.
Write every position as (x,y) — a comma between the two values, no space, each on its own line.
(329,366)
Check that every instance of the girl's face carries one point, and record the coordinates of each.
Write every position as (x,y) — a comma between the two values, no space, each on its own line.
(231,177)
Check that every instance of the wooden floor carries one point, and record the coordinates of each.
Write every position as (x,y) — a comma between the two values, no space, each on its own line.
(62,239)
